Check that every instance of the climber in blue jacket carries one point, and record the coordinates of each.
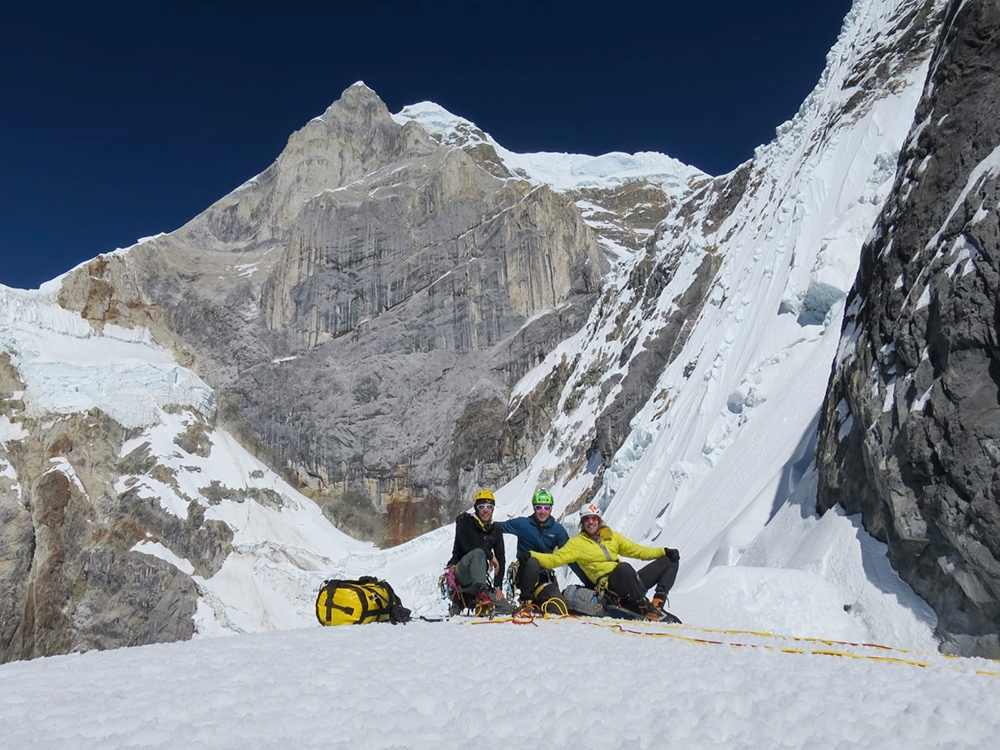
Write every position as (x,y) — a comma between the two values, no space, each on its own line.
(538,532)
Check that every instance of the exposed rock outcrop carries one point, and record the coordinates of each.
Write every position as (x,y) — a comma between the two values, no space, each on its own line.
(910,435)
(70,576)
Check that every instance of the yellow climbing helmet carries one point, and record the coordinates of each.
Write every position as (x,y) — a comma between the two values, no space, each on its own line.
(484,496)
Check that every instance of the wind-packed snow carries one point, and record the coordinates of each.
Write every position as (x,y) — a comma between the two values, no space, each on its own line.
(558,170)
(462,684)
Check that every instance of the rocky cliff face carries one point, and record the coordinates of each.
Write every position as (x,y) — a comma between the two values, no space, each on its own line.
(126,516)
(70,576)
(911,427)
(366,305)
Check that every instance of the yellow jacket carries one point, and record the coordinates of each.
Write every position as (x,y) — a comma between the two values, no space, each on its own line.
(597,559)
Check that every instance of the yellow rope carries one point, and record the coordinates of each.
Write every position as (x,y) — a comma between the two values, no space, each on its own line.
(803,639)
(530,619)
(787,650)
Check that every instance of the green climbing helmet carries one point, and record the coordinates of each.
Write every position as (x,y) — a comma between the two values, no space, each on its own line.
(542,497)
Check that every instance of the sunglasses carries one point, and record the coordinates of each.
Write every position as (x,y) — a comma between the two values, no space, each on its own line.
(484,506)
(543,507)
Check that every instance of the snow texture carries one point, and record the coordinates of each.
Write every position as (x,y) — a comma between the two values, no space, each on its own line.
(553,684)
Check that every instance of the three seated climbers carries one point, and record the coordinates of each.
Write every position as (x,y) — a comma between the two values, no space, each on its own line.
(543,545)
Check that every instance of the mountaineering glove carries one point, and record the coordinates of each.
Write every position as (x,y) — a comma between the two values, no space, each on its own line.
(673,554)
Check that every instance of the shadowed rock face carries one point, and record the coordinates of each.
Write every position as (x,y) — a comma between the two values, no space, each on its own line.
(911,427)
(367,293)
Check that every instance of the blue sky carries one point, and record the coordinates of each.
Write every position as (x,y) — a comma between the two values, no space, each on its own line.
(124,120)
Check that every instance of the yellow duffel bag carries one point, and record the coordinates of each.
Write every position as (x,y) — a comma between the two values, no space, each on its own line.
(359,602)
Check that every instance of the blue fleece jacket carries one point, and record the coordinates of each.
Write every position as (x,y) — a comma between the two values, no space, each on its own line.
(532,536)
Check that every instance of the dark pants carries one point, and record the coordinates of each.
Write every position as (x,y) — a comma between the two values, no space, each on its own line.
(631,586)
(530,576)
(472,572)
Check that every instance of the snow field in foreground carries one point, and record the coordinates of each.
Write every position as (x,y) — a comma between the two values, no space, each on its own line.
(465,683)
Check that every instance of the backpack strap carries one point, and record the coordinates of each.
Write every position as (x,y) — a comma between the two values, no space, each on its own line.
(329,587)
(397,612)
(332,586)
(375,612)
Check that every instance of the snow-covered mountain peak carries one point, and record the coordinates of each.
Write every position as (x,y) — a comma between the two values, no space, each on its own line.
(560,171)
(445,127)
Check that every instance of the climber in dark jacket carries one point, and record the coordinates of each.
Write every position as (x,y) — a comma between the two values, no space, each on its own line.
(478,549)
(538,532)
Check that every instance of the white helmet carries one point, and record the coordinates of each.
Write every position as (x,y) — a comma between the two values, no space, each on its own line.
(590,509)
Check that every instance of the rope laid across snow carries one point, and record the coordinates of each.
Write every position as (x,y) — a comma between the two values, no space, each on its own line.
(671,631)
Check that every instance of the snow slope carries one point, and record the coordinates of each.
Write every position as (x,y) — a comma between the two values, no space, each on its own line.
(719,462)
(69,366)
(806,570)
(557,684)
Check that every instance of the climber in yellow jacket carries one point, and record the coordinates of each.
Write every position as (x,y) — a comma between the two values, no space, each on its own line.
(594,555)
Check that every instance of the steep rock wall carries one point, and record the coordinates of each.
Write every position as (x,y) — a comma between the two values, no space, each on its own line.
(70,577)
(910,435)
(358,300)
